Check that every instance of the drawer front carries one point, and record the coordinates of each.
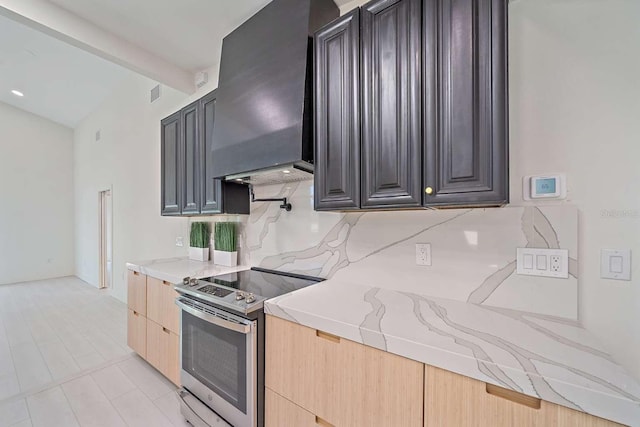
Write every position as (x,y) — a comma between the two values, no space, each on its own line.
(280,412)
(342,382)
(452,399)
(137,292)
(161,307)
(163,351)
(137,332)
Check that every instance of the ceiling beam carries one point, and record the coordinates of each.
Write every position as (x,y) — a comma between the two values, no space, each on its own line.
(70,28)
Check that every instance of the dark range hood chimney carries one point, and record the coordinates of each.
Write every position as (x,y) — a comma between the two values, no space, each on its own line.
(263,123)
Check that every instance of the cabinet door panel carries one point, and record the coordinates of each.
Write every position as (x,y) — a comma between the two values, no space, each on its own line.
(163,351)
(137,332)
(337,77)
(191,154)
(391,104)
(210,188)
(161,307)
(280,412)
(137,292)
(342,382)
(466,141)
(456,400)
(171,168)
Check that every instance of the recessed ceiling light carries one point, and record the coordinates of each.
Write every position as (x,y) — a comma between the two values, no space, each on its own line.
(17,93)
(286,171)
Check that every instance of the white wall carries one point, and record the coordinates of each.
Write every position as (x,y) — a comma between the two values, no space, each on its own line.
(573,94)
(126,160)
(574,108)
(36,188)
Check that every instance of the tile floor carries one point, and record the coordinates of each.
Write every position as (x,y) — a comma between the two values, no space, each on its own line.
(64,361)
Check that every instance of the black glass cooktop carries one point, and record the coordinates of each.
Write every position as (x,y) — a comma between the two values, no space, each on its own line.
(263,282)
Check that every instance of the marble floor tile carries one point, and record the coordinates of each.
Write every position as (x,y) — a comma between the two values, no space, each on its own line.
(30,367)
(138,411)
(58,359)
(146,378)
(170,407)
(113,382)
(13,412)
(51,408)
(90,405)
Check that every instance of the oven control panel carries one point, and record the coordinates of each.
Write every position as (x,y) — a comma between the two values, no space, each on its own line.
(237,300)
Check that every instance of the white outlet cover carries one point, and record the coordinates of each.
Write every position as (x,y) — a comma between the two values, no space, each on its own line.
(542,262)
(423,254)
(615,264)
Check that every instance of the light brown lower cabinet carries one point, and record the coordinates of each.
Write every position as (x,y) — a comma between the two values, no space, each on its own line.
(283,413)
(456,400)
(163,350)
(153,324)
(317,379)
(137,332)
(341,382)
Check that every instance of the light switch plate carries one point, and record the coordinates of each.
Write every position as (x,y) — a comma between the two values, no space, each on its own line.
(543,262)
(615,264)
(179,242)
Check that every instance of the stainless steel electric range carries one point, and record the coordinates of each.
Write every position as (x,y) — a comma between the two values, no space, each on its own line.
(222,344)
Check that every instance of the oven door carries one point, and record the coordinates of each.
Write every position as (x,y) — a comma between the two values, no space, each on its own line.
(219,360)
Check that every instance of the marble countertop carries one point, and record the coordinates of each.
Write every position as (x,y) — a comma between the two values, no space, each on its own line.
(543,356)
(173,270)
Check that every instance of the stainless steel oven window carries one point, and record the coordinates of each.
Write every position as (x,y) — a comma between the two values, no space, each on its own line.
(217,357)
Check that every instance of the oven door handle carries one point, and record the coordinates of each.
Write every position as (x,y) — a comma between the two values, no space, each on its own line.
(237,327)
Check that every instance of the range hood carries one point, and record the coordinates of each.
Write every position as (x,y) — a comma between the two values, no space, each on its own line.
(264,105)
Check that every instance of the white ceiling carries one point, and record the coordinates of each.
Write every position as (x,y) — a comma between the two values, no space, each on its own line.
(187,33)
(65,84)
(60,82)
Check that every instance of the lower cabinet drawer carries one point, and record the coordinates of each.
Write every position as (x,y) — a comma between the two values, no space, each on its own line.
(163,351)
(137,332)
(345,383)
(280,412)
(456,400)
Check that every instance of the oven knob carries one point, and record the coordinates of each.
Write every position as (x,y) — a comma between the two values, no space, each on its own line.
(250,298)
(240,295)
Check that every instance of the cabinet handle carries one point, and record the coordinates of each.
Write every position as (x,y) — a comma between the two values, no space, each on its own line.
(514,396)
(135,313)
(327,336)
(428,190)
(135,273)
(164,282)
(165,330)
(323,423)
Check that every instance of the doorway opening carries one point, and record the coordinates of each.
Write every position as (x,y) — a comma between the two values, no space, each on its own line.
(105,240)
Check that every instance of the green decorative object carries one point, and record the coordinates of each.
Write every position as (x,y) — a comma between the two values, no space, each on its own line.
(199,241)
(224,244)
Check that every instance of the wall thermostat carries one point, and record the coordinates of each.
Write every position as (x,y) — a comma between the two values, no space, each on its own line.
(552,186)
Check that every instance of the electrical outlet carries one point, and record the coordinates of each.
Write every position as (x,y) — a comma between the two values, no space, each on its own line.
(423,253)
(556,263)
(543,262)
(179,242)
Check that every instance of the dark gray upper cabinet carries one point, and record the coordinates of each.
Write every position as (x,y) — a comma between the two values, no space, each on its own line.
(188,185)
(465,99)
(191,165)
(337,114)
(391,104)
(171,160)
(210,188)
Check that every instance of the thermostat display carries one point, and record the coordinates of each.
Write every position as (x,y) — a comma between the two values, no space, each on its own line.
(544,187)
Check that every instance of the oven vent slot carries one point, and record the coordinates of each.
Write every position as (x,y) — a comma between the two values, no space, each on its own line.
(205,309)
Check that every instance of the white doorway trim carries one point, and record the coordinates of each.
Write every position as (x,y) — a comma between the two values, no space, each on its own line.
(105,239)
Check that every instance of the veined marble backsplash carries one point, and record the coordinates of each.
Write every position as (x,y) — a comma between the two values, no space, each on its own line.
(473,250)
